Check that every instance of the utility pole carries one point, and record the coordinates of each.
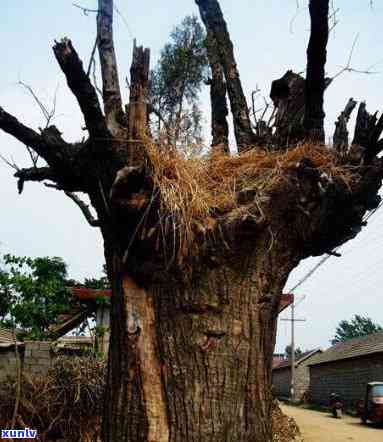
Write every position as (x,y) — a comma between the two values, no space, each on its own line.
(293,320)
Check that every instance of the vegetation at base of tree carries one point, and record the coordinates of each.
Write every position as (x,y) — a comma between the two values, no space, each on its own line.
(356,327)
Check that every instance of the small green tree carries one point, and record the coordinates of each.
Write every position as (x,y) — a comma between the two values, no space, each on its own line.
(298,352)
(176,83)
(357,326)
(33,293)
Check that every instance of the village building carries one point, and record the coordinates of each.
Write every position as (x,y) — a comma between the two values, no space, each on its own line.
(282,376)
(36,357)
(346,368)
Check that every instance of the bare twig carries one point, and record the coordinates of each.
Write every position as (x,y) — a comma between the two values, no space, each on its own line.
(348,67)
(296,15)
(10,163)
(48,114)
(84,10)
(33,156)
(124,20)
(84,209)
(94,76)
(253,95)
(91,60)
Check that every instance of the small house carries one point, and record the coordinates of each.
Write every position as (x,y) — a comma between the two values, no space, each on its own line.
(282,376)
(346,368)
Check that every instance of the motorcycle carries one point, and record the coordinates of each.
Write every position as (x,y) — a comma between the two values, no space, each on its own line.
(336,405)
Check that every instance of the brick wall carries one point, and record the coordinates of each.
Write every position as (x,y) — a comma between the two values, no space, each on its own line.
(36,358)
(7,363)
(282,379)
(281,382)
(302,380)
(347,378)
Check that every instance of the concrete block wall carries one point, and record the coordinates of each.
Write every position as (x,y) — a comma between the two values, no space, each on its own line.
(282,379)
(347,378)
(281,382)
(302,381)
(8,363)
(37,356)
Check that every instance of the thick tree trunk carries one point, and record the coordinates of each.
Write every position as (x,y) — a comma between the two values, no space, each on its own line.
(193,363)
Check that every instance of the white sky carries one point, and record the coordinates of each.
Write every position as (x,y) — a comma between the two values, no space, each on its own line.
(43,222)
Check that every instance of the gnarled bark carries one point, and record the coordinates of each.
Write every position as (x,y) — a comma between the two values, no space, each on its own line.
(193,362)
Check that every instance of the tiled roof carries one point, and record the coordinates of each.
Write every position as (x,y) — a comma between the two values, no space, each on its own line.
(6,338)
(303,357)
(352,348)
(74,341)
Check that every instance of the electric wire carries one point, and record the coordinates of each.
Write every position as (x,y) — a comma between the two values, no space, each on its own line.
(324,259)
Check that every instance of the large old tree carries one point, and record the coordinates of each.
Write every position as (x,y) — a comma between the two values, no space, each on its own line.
(198,251)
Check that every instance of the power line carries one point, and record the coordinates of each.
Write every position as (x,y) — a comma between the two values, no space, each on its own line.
(325,258)
(125,21)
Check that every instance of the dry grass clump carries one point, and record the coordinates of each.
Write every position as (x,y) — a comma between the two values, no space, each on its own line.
(285,428)
(65,404)
(195,190)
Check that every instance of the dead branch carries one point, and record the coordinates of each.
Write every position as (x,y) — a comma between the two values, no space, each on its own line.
(91,60)
(36,174)
(368,129)
(315,78)
(84,10)
(110,83)
(212,17)
(84,209)
(340,138)
(48,145)
(79,83)
(138,108)
(219,111)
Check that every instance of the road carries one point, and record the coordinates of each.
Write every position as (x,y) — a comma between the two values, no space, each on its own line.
(321,427)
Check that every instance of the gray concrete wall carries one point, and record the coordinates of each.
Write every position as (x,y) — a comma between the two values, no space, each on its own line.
(36,358)
(282,379)
(281,382)
(347,378)
(7,363)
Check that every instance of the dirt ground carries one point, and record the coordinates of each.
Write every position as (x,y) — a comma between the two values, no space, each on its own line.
(321,427)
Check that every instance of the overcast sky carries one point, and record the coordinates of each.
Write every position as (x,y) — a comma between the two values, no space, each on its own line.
(269,38)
